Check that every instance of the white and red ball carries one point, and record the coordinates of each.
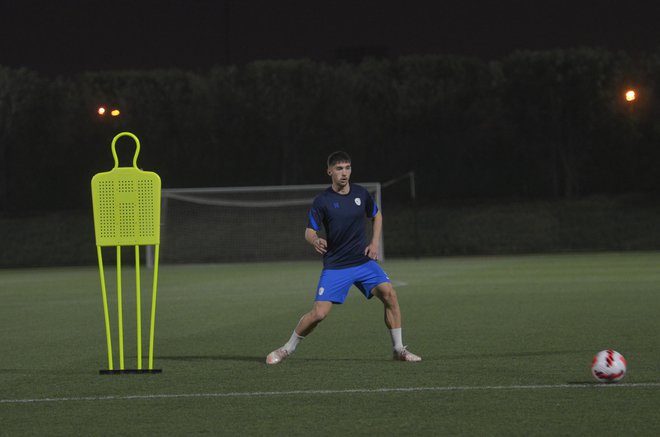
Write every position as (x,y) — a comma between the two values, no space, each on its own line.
(608,366)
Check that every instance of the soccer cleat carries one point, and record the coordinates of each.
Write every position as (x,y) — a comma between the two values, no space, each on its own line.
(277,356)
(405,355)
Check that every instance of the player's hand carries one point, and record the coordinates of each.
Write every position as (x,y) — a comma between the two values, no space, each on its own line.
(372,251)
(321,245)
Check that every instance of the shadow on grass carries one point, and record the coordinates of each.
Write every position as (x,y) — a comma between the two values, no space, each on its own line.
(328,359)
(259,359)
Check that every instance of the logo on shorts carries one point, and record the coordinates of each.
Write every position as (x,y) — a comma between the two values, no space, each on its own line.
(358,202)
(321,290)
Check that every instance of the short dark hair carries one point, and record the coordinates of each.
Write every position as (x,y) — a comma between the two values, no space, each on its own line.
(338,156)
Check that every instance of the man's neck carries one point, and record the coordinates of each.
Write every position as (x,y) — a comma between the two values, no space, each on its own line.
(341,190)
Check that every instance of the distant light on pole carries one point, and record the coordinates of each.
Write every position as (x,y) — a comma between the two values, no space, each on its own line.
(631,95)
(115,112)
(101,110)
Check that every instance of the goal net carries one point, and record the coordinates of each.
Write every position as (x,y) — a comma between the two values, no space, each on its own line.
(238,224)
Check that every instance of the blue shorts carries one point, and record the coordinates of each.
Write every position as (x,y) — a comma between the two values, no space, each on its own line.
(335,283)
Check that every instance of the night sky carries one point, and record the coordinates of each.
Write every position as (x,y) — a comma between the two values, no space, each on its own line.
(65,37)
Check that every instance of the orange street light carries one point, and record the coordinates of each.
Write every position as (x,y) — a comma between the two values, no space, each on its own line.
(101,110)
(631,95)
(115,112)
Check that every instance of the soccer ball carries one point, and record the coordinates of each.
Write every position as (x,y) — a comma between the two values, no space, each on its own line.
(608,366)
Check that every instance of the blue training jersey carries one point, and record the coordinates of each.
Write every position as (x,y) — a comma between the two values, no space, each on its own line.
(342,216)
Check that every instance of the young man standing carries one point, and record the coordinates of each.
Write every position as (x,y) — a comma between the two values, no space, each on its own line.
(347,258)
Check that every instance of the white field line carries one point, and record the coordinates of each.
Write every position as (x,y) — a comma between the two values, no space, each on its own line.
(593,386)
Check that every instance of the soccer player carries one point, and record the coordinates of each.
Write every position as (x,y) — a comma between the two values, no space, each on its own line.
(347,258)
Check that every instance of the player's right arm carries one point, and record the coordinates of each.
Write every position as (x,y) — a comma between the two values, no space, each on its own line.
(315,218)
(320,245)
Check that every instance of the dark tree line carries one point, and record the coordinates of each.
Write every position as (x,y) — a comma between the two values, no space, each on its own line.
(534,124)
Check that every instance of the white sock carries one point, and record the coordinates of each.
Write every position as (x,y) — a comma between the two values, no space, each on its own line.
(397,342)
(291,345)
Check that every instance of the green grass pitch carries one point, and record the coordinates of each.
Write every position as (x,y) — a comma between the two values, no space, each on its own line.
(507,344)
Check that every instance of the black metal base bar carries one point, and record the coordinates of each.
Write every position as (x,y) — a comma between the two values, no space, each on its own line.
(129,371)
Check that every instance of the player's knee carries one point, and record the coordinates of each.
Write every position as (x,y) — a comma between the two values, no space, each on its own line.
(386,293)
(318,314)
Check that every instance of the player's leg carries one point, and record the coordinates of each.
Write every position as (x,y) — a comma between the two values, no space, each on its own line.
(386,294)
(332,288)
(310,320)
(305,326)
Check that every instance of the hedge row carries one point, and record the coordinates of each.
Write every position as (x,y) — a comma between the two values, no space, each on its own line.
(534,124)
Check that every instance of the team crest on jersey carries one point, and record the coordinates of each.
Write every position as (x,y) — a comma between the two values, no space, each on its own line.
(358,202)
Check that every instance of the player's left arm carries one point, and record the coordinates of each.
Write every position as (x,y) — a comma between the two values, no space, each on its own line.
(377,227)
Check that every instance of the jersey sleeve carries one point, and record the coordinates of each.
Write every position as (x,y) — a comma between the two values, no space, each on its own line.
(370,207)
(315,215)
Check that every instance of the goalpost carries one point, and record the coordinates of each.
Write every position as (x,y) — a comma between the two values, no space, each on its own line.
(241,224)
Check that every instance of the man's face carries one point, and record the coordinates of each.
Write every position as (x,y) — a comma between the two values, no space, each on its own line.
(340,173)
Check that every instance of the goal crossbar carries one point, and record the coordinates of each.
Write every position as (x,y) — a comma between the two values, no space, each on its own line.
(200,221)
